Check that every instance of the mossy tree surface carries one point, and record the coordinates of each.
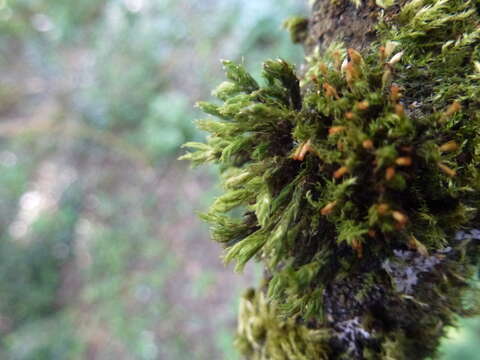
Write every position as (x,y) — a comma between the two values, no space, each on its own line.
(356,184)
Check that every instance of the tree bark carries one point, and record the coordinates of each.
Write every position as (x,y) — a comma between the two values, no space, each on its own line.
(330,21)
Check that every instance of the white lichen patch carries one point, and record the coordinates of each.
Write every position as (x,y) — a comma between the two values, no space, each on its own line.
(406,267)
(468,235)
(352,334)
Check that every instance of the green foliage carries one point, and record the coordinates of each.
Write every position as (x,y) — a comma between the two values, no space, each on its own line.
(261,336)
(145,105)
(46,339)
(31,274)
(22,18)
(374,152)
(164,126)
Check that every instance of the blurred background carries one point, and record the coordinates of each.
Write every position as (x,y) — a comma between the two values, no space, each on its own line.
(101,252)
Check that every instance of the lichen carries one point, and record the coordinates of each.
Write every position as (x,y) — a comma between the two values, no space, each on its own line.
(466,235)
(406,268)
(350,334)
(354,182)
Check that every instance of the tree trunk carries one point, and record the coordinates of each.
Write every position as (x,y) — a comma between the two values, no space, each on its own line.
(344,21)
(359,181)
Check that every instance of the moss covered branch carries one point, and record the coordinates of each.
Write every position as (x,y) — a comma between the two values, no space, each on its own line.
(358,184)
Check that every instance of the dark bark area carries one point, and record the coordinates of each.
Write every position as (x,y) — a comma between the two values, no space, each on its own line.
(343,21)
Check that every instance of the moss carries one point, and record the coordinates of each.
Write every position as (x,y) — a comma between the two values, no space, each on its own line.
(261,336)
(298,28)
(353,181)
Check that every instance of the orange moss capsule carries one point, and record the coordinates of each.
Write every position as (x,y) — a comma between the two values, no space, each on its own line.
(307,147)
(399,110)
(351,73)
(395,93)
(302,153)
(302,150)
(350,115)
(323,68)
(449,146)
(355,56)
(383,208)
(404,161)
(358,247)
(327,209)
(336,129)
(447,170)
(363,105)
(455,107)
(400,217)
(330,90)
(367,144)
(297,152)
(414,244)
(381,53)
(389,173)
(340,172)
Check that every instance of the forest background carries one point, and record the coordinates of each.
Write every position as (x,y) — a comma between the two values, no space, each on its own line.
(101,252)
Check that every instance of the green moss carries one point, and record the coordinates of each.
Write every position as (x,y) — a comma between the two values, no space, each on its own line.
(262,337)
(298,28)
(366,157)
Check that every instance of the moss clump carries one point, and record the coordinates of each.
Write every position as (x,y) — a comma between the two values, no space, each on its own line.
(262,336)
(298,28)
(371,160)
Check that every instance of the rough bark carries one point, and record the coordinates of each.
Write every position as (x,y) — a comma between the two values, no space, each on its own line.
(343,21)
